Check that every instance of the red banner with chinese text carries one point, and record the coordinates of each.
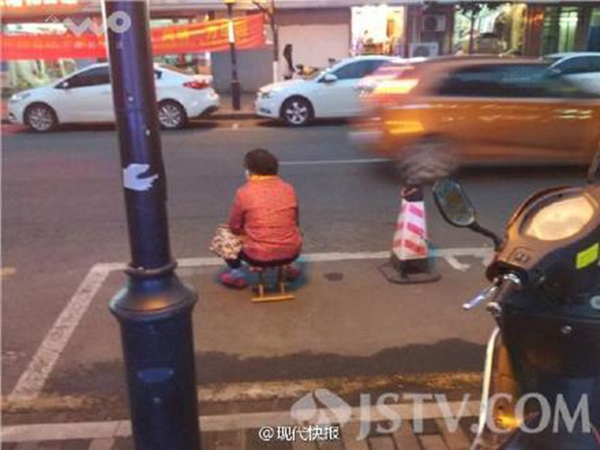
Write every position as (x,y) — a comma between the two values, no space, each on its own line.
(191,38)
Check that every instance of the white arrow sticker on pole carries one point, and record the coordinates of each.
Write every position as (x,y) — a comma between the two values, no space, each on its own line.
(132,180)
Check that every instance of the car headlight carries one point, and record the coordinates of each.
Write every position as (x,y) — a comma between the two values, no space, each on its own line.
(19,96)
(265,95)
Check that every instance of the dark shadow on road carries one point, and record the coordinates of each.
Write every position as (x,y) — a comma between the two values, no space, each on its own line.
(193,125)
(518,172)
(452,355)
(388,171)
(314,124)
(445,356)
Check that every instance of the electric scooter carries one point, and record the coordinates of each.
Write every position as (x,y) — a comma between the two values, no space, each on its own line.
(542,371)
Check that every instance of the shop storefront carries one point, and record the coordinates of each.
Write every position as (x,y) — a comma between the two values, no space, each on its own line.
(22,74)
(568,28)
(378,30)
(562,28)
(489,29)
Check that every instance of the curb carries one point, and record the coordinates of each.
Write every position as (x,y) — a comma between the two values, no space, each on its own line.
(233,116)
(217,117)
(243,421)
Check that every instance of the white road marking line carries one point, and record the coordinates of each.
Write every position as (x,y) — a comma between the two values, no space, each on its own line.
(33,379)
(456,264)
(334,161)
(222,422)
(310,257)
(337,257)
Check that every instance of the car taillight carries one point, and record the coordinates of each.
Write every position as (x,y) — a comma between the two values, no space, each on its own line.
(197,84)
(398,86)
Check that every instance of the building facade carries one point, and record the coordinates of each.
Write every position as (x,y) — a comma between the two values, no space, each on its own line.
(323,31)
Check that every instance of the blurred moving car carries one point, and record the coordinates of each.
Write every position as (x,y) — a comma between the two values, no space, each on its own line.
(332,93)
(86,97)
(374,85)
(479,110)
(581,68)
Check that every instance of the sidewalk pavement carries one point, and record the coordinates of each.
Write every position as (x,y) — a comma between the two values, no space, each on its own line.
(225,112)
(365,430)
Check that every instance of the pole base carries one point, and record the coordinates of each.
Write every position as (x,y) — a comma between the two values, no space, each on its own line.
(397,275)
(236,102)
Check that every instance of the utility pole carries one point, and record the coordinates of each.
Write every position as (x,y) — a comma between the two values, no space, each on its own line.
(275,34)
(235,83)
(154,309)
(270,13)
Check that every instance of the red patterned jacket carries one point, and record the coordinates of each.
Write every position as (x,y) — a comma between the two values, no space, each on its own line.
(265,213)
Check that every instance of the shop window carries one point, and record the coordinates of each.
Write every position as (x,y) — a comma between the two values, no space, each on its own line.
(594,35)
(377,30)
(568,29)
(492,28)
(559,31)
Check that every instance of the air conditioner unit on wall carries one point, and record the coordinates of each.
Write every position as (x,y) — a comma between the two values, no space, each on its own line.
(424,49)
(434,23)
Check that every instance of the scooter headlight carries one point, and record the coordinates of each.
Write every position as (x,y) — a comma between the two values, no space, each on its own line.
(560,220)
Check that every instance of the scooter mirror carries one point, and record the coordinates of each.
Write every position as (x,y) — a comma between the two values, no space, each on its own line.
(593,169)
(454,204)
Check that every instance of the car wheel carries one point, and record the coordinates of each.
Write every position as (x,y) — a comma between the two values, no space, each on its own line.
(40,118)
(296,111)
(171,115)
(426,161)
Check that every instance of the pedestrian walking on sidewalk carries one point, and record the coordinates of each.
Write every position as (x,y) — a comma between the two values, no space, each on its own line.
(264,216)
(288,70)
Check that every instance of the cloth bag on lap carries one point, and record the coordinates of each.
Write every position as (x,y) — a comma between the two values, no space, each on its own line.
(225,244)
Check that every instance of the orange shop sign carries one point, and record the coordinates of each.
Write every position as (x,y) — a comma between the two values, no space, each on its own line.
(191,38)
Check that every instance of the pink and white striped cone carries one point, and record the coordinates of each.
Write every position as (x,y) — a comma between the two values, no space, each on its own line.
(411,232)
(409,262)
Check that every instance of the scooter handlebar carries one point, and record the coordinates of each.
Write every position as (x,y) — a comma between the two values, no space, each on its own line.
(500,289)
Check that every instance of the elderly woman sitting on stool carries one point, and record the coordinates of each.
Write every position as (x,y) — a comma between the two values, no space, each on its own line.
(265,215)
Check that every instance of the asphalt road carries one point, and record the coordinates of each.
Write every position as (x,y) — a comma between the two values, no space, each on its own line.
(63,212)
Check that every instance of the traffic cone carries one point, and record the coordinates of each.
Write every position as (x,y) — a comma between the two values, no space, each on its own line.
(409,261)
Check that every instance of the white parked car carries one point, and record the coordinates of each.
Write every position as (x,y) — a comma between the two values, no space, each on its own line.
(580,68)
(333,93)
(86,97)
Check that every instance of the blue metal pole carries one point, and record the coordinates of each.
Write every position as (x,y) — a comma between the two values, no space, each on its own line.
(154,309)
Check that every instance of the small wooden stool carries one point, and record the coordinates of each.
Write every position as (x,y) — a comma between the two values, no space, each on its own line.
(261,290)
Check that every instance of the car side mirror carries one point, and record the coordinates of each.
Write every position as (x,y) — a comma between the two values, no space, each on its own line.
(554,72)
(453,203)
(329,78)
(64,85)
